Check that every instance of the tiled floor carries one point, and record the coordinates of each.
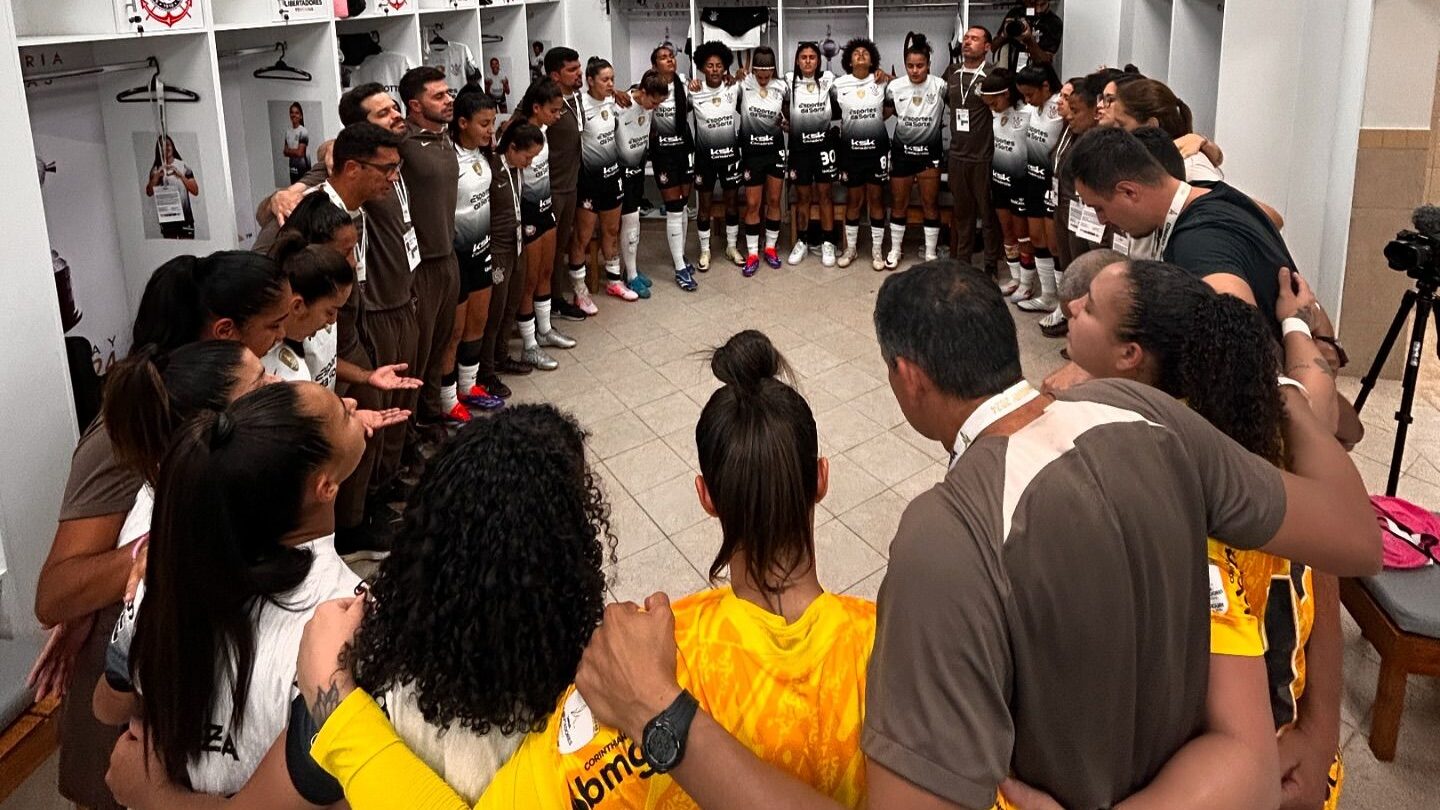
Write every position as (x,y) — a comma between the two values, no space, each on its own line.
(637,381)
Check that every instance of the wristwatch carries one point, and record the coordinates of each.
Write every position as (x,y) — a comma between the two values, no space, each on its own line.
(663,742)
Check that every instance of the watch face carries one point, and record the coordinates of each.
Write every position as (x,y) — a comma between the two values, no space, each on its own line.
(662,749)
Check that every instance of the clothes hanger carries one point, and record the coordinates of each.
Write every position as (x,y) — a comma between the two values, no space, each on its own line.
(156,90)
(435,38)
(282,71)
(491,39)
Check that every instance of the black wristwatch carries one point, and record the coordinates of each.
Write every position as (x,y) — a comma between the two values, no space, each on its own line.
(663,742)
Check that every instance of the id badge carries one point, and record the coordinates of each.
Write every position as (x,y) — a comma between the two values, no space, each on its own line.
(1121,243)
(1072,224)
(962,120)
(169,204)
(412,248)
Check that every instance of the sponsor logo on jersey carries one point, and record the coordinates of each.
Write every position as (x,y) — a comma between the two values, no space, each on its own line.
(627,762)
(167,12)
(219,741)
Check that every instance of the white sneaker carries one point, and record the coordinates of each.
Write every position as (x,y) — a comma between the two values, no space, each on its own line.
(1038,304)
(797,254)
(703,263)
(619,290)
(734,254)
(1054,318)
(827,254)
(847,257)
(877,259)
(1007,286)
(1021,293)
(585,302)
(929,255)
(892,260)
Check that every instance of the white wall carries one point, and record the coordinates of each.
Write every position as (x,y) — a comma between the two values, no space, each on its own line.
(35,408)
(1092,36)
(1399,89)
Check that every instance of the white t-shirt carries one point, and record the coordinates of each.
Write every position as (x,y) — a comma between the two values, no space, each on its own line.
(919,115)
(495,84)
(296,136)
(137,520)
(231,757)
(384,68)
(313,359)
(457,62)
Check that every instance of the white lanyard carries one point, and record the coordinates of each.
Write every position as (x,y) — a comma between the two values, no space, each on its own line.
(358,213)
(965,89)
(991,411)
(1176,206)
(514,197)
(578,109)
(402,194)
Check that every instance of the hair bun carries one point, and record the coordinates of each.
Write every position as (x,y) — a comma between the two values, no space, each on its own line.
(747,359)
(221,430)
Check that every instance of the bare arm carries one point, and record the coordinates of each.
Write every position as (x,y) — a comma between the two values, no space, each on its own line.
(142,786)
(1231,284)
(1303,359)
(1238,743)
(1328,519)
(1308,747)
(84,572)
(111,706)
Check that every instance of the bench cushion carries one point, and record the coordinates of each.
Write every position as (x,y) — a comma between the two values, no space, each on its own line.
(1411,598)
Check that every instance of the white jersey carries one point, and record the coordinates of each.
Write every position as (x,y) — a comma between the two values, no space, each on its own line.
(231,756)
(1007,166)
(456,60)
(632,137)
(668,132)
(919,115)
(717,122)
(761,114)
(1199,168)
(472,203)
(536,177)
(310,360)
(137,520)
(1042,135)
(811,111)
(385,69)
(322,353)
(860,104)
(286,360)
(597,134)
(495,84)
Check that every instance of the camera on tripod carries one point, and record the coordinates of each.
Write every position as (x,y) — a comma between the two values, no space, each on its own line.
(1415,254)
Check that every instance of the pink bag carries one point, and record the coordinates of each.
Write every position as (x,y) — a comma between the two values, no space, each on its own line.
(1410,533)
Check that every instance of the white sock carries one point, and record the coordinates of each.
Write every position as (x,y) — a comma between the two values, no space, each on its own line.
(448,399)
(577,283)
(732,235)
(675,236)
(877,239)
(852,235)
(468,376)
(1015,270)
(752,243)
(527,332)
(1045,268)
(932,240)
(612,269)
(630,243)
(542,316)
(772,238)
(897,236)
(704,239)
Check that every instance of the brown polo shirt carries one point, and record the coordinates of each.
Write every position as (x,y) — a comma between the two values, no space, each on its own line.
(564,139)
(1045,612)
(429,171)
(962,93)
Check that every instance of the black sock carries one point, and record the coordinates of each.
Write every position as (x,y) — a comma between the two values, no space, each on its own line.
(812,233)
(752,229)
(469,352)
(450,377)
(732,218)
(772,224)
(1042,253)
(877,223)
(932,223)
(834,234)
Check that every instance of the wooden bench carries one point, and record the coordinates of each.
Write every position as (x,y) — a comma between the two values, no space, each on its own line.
(1403,652)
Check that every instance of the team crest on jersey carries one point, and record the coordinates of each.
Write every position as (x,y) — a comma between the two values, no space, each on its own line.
(715,101)
(167,12)
(529,230)
(604,115)
(860,93)
(915,100)
(811,86)
(664,177)
(1005,119)
(476,167)
(640,119)
(287,356)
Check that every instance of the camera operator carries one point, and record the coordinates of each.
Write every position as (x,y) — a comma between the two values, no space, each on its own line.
(1029,33)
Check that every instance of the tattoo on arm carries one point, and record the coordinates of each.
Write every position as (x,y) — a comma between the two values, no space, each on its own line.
(326,700)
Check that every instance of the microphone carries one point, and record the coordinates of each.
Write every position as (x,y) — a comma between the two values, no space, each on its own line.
(1426,220)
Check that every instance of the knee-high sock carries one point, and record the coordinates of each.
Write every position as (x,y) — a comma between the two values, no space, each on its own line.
(897,235)
(877,235)
(772,233)
(675,232)
(852,235)
(542,316)
(732,230)
(752,239)
(932,236)
(630,243)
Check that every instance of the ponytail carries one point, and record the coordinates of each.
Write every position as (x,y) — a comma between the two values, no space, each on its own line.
(757,422)
(187,293)
(915,42)
(315,271)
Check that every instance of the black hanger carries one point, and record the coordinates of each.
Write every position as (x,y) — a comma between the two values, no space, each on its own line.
(282,71)
(491,39)
(146,93)
(435,38)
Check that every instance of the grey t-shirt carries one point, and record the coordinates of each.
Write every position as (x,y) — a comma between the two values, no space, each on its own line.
(1045,610)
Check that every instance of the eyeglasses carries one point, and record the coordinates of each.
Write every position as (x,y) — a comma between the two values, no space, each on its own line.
(386,169)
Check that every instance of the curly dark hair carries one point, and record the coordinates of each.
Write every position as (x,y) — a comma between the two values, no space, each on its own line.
(496,580)
(855,44)
(713,48)
(1214,351)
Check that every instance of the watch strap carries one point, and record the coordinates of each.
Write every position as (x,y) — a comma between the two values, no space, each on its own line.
(676,718)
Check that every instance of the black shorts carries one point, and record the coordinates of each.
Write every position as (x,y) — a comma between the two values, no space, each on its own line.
(754,168)
(813,165)
(632,188)
(865,169)
(1006,198)
(536,221)
(673,167)
(600,190)
(1039,201)
(903,165)
(476,270)
(709,172)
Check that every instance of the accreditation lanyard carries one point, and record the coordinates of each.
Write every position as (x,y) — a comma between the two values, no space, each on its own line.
(1172,216)
(515,180)
(578,109)
(965,89)
(991,411)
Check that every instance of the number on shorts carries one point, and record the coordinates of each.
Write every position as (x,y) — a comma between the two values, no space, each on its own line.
(827,159)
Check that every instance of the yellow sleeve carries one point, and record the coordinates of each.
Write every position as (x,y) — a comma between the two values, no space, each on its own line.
(1234,627)
(360,748)
(532,779)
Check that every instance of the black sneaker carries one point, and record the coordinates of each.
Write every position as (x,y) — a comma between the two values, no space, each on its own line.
(564,310)
(1058,330)
(496,388)
(371,540)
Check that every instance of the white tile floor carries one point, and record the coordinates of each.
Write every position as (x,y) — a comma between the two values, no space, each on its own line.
(637,382)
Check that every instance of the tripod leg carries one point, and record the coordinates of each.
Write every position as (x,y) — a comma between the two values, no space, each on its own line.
(1407,302)
(1423,304)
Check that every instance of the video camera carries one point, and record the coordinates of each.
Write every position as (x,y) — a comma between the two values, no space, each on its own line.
(1417,253)
(1016,27)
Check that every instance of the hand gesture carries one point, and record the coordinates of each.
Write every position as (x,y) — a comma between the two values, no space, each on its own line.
(320,672)
(1304,770)
(379,420)
(694,85)
(50,676)
(387,378)
(1190,145)
(283,202)
(1067,376)
(627,674)
(1296,299)
(622,99)
(1023,797)
(139,556)
(135,777)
